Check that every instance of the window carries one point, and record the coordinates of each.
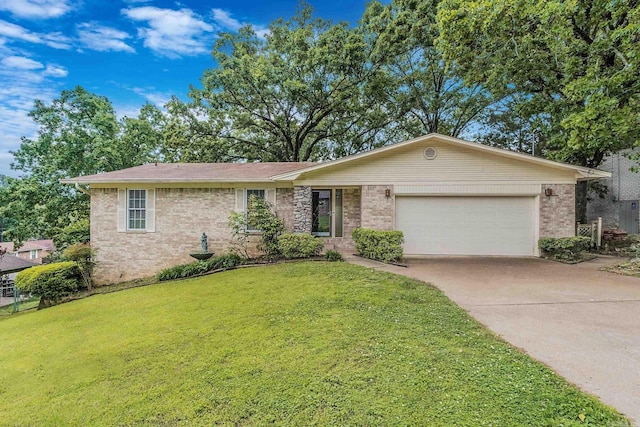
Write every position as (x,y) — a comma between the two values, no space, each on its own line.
(33,254)
(136,209)
(257,194)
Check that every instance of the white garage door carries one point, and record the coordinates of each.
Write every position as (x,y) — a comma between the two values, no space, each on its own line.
(467,225)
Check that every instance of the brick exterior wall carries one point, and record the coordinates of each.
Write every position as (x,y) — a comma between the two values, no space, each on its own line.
(182,215)
(351,206)
(558,212)
(377,209)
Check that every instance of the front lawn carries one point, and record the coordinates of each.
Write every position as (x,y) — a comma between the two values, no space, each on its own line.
(292,344)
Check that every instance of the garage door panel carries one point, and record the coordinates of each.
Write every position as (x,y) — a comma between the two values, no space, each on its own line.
(466,225)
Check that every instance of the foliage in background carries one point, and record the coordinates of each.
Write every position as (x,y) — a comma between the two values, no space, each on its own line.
(379,245)
(565,248)
(74,233)
(84,257)
(51,282)
(308,91)
(299,245)
(79,134)
(223,261)
(573,64)
(428,95)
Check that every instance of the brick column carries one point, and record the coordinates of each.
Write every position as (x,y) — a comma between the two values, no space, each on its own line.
(302,209)
(558,212)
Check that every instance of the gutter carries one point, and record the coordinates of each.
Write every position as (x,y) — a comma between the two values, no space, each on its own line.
(82,189)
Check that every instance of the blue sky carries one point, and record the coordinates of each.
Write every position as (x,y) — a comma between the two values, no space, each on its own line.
(132,51)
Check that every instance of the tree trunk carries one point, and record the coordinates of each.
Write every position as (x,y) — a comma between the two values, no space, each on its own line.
(581,202)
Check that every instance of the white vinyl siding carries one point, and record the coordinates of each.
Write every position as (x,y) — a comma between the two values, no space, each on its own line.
(452,164)
(467,225)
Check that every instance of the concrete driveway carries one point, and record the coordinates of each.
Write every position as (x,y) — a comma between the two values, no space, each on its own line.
(582,322)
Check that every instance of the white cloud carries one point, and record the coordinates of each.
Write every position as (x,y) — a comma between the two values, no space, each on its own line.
(103,39)
(225,22)
(172,33)
(36,8)
(21,62)
(54,40)
(159,99)
(55,71)
(23,81)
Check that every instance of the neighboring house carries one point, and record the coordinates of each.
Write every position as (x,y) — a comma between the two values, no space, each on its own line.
(447,195)
(36,250)
(620,206)
(10,265)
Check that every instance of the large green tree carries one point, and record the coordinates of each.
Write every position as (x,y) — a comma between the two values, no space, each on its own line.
(306,91)
(78,134)
(429,95)
(573,62)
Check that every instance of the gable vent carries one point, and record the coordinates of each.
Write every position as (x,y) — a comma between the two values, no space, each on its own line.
(430,153)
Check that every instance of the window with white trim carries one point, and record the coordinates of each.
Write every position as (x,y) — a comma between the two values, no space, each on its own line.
(33,254)
(136,209)
(260,194)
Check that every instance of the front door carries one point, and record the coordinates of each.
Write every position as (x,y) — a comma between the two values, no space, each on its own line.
(321,203)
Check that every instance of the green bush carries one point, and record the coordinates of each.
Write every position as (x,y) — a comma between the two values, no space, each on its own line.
(84,257)
(200,267)
(379,245)
(259,219)
(564,248)
(332,255)
(299,245)
(76,232)
(51,282)
(224,261)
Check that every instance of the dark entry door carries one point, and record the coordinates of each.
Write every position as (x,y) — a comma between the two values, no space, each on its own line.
(321,200)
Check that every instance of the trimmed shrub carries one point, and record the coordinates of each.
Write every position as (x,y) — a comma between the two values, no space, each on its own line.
(378,245)
(51,282)
(200,267)
(224,261)
(84,257)
(564,248)
(299,245)
(332,255)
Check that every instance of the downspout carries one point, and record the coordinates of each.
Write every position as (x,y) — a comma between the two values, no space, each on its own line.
(82,190)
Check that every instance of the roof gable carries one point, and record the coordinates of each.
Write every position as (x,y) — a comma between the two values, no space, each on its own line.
(480,151)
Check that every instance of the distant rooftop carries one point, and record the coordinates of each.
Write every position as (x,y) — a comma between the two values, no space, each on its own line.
(13,264)
(29,245)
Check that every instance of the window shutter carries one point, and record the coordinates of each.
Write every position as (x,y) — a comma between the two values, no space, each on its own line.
(271,197)
(151,210)
(122,209)
(239,199)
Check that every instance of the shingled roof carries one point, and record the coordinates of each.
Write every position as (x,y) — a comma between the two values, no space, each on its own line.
(13,264)
(193,172)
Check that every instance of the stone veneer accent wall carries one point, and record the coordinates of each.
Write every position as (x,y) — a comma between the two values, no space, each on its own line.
(303,211)
(182,215)
(377,209)
(558,212)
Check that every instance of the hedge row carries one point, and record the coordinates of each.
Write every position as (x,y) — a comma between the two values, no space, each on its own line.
(299,245)
(379,245)
(200,267)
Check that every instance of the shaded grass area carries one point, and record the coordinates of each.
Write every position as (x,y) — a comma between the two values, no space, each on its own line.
(290,344)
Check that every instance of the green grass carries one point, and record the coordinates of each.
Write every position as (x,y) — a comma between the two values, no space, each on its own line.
(293,344)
